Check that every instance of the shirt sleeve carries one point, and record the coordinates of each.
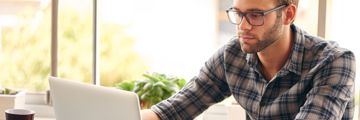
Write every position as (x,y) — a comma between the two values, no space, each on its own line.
(198,94)
(333,89)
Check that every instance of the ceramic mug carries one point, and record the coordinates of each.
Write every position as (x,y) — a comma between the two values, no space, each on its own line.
(19,114)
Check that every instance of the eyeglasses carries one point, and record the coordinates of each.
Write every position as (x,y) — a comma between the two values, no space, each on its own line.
(255,18)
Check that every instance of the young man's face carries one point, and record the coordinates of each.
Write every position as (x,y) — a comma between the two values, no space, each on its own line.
(256,38)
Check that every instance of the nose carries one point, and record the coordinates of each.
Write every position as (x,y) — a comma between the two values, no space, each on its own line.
(244,24)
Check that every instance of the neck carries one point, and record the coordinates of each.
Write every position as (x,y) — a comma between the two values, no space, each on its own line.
(274,57)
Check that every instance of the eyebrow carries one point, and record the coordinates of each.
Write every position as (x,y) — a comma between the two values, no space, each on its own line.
(249,10)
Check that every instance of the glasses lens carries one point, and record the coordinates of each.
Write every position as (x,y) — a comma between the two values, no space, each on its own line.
(255,18)
(234,17)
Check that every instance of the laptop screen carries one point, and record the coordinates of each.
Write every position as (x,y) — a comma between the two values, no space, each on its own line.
(80,101)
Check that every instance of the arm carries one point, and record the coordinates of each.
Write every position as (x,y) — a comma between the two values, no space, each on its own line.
(198,94)
(332,94)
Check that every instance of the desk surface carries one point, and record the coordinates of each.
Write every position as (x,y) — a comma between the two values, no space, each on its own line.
(37,118)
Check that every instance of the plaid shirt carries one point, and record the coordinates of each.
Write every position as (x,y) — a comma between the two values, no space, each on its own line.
(316,82)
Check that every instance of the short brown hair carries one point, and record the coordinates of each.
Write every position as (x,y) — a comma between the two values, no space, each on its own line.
(287,2)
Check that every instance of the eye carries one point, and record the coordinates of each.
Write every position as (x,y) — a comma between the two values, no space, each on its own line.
(254,16)
(239,14)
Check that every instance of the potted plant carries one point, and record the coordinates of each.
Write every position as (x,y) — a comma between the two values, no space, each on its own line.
(153,88)
(10,98)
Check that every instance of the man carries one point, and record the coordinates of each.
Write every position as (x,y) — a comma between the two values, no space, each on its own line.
(273,69)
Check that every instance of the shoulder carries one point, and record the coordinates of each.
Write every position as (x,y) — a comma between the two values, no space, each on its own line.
(323,48)
(317,47)
(322,52)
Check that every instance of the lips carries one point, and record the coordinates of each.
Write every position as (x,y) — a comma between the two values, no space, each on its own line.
(246,37)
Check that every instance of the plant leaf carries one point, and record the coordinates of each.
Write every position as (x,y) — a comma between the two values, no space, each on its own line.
(126,85)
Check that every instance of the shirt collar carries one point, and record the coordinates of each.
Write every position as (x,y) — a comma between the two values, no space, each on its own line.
(297,54)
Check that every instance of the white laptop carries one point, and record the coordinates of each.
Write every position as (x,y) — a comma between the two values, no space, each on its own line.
(80,101)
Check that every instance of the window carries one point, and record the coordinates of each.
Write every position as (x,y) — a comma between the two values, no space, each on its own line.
(306,18)
(119,59)
(171,37)
(75,40)
(24,44)
(162,39)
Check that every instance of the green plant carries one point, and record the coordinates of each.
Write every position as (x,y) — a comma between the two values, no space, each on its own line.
(7,91)
(153,88)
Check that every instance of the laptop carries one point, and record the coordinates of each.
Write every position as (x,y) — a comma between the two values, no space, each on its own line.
(80,101)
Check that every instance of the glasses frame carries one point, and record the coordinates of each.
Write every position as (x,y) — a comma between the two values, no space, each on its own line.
(244,14)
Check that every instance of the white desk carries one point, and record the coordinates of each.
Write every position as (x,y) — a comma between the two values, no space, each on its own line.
(44,118)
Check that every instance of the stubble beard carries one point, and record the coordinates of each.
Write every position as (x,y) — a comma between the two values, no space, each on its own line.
(270,36)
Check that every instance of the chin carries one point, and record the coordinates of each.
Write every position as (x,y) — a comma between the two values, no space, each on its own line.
(247,49)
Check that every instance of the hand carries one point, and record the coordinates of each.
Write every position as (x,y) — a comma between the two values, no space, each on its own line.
(148,114)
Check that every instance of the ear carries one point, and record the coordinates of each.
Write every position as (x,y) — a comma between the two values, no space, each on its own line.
(290,13)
